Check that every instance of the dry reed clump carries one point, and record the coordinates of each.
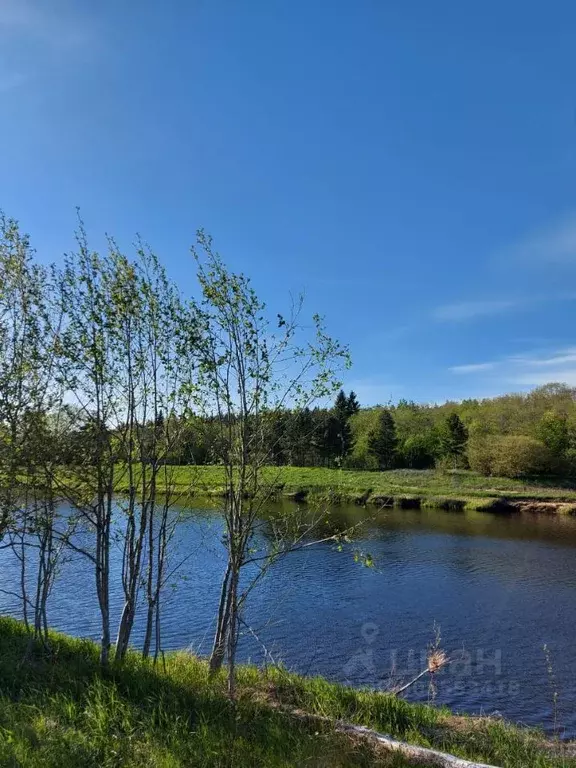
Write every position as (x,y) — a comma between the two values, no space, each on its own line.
(436,660)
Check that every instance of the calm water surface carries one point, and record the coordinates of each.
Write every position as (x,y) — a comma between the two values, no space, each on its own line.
(499,588)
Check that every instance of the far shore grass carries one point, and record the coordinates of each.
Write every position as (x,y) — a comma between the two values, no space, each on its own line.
(456,489)
(58,710)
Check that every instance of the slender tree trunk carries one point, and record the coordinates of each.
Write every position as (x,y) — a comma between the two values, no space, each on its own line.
(219,644)
(233,633)
(150,592)
(133,543)
(133,546)
(149,630)
(23,586)
(103,576)
(44,574)
(102,588)
(157,632)
(40,577)
(161,564)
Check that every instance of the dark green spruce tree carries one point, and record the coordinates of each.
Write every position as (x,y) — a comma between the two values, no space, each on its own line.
(383,442)
(341,405)
(353,405)
(329,440)
(344,407)
(453,438)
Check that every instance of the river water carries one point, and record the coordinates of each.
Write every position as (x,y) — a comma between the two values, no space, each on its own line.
(499,589)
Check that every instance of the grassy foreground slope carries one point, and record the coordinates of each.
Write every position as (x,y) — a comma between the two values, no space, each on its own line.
(430,486)
(58,710)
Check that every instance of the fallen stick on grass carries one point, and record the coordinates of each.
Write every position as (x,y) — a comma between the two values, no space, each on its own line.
(418,755)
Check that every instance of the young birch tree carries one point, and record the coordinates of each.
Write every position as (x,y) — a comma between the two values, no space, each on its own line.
(21,356)
(127,363)
(250,370)
(89,368)
(28,394)
(171,341)
(155,335)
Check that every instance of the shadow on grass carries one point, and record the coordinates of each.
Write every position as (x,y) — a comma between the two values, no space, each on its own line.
(59,709)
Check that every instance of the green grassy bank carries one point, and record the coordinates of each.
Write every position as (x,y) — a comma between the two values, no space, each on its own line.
(58,710)
(455,490)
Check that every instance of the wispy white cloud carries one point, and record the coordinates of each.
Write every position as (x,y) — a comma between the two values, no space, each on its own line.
(473,368)
(537,369)
(554,244)
(16,13)
(527,370)
(467,310)
(470,310)
(559,358)
(534,379)
(50,32)
(57,24)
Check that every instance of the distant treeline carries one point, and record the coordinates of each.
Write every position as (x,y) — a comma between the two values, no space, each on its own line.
(510,435)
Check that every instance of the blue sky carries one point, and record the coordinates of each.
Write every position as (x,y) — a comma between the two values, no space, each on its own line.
(410,165)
